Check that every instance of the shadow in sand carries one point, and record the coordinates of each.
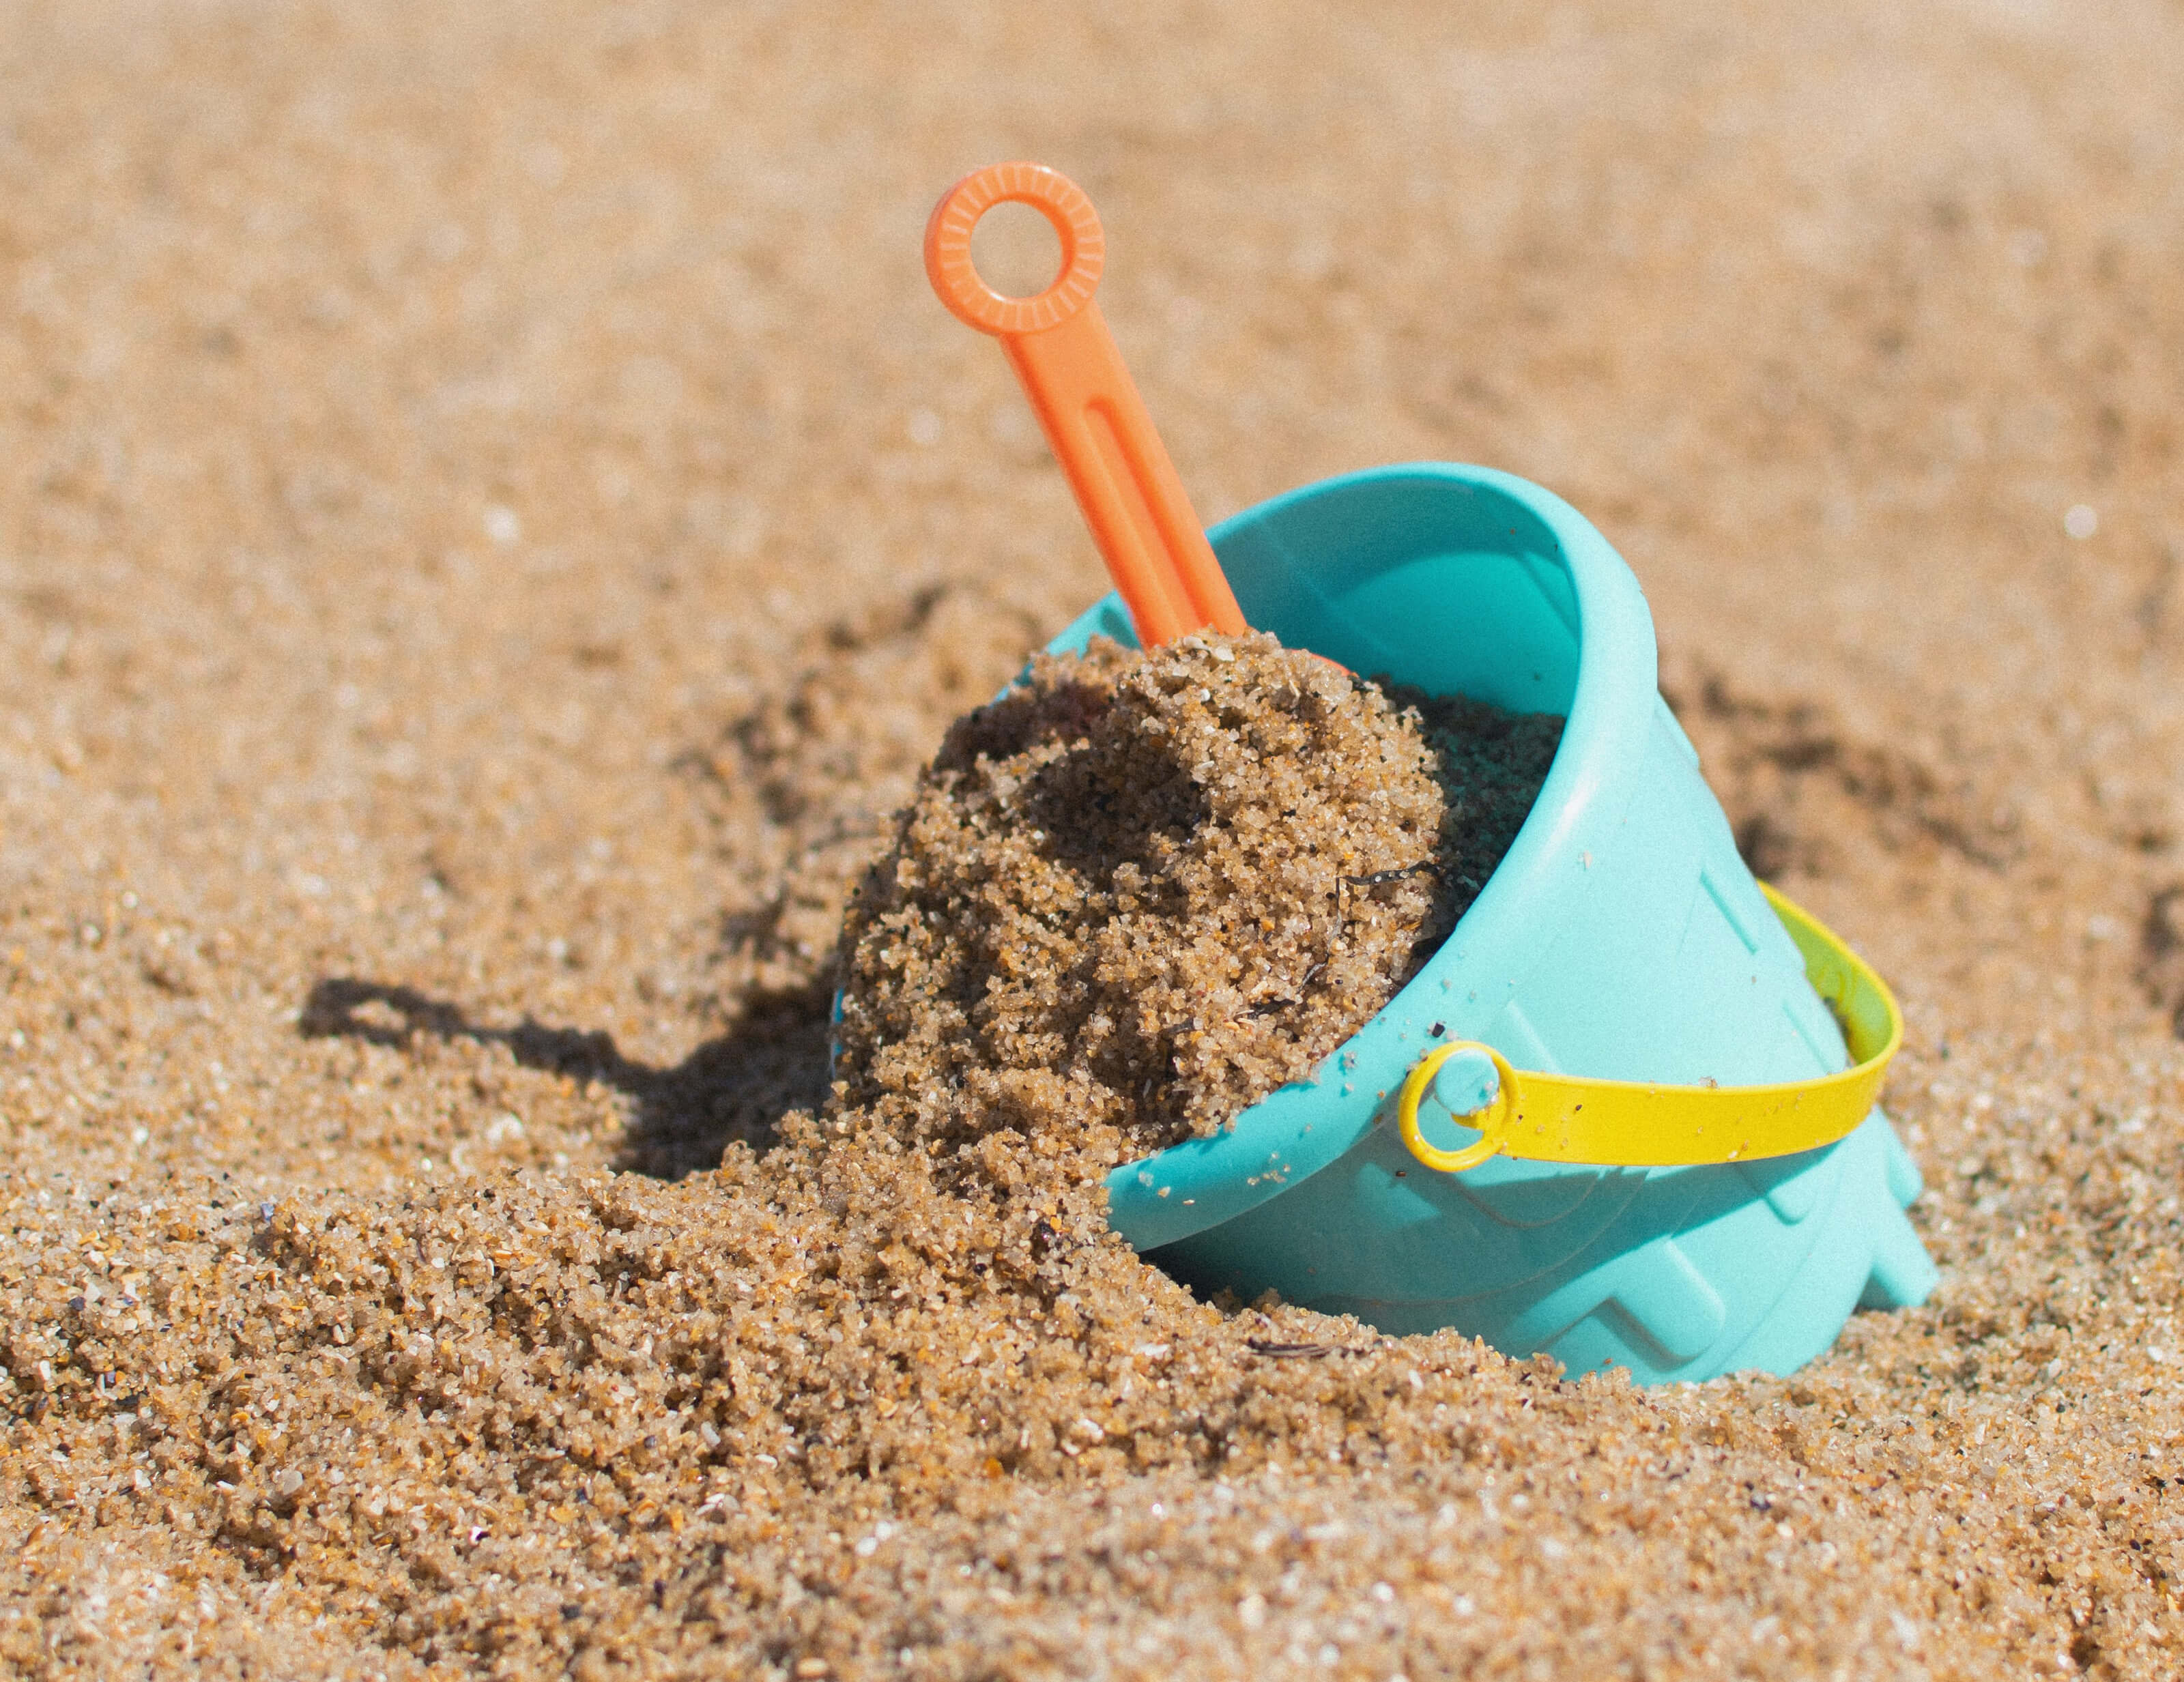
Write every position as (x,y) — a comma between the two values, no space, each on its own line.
(735,1086)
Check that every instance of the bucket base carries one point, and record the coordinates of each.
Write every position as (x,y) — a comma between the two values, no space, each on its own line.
(1663,1289)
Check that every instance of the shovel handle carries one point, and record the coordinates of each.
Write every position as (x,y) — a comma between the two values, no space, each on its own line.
(1070,369)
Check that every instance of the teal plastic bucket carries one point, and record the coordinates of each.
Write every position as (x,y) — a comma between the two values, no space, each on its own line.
(1621,938)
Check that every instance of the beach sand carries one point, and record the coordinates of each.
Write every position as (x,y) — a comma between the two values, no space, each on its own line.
(491,520)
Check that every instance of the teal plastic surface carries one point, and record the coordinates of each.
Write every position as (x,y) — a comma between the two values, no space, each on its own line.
(1621,937)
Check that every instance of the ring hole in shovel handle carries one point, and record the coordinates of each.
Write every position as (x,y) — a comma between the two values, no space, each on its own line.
(1492,1119)
(955,276)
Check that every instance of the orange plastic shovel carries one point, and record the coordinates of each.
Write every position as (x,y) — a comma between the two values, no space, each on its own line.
(1139,516)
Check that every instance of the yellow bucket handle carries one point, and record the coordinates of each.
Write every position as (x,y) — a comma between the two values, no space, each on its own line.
(1617,1123)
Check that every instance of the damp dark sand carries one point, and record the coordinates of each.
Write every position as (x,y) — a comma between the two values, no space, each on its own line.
(1139,892)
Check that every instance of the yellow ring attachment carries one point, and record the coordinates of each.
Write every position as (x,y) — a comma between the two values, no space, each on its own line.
(1497,1113)
(1615,1123)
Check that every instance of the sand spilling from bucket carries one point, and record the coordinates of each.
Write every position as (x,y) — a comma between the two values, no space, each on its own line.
(1140,891)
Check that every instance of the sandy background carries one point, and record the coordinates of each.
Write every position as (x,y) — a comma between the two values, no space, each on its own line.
(491,517)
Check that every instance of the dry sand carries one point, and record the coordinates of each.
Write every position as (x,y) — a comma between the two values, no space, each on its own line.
(491,522)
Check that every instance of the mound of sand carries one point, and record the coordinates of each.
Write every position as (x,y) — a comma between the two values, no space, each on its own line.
(1139,893)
